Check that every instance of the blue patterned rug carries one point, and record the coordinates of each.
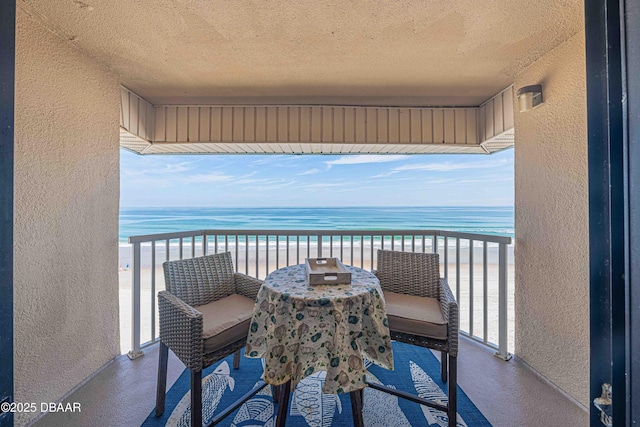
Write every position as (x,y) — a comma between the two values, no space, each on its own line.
(416,371)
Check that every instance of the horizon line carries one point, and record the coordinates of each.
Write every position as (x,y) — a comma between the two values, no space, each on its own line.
(314,207)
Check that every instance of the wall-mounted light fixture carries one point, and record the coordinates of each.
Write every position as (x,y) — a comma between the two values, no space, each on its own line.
(529,97)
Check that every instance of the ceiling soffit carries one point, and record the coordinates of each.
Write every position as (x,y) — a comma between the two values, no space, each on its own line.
(326,52)
(314,129)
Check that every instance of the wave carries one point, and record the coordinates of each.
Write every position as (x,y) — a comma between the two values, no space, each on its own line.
(481,220)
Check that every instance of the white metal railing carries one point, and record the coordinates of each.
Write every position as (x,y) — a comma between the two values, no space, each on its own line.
(483,302)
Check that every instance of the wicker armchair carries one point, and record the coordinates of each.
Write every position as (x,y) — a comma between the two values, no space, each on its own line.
(204,316)
(422,311)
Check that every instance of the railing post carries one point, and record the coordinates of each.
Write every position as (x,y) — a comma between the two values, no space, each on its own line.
(319,246)
(502,352)
(205,245)
(135,351)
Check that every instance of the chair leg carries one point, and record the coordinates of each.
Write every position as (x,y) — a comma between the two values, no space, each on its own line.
(275,392)
(196,398)
(443,366)
(283,404)
(236,359)
(453,391)
(161,390)
(356,407)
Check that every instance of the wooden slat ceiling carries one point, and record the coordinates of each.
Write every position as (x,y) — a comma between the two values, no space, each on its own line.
(323,129)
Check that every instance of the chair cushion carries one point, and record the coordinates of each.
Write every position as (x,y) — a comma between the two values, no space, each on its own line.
(225,321)
(415,315)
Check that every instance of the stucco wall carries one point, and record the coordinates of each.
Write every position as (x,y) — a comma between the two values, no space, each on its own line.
(551,221)
(66,216)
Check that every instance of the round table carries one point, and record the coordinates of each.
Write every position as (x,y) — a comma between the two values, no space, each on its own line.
(300,329)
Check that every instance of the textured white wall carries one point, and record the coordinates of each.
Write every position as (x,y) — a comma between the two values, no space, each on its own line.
(66,215)
(551,221)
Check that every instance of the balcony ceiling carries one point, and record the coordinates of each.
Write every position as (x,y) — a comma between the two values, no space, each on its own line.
(417,52)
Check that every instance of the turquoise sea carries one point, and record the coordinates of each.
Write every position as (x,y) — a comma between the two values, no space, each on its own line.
(471,219)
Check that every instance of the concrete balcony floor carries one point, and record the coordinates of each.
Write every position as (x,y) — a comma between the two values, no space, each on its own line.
(509,394)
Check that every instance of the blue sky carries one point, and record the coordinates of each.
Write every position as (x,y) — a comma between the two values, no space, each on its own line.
(316,180)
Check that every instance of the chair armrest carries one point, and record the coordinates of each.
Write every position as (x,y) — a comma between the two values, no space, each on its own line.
(451,314)
(246,285)
(181,329)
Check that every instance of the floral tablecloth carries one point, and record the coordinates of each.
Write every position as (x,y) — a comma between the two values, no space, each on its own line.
(300,329)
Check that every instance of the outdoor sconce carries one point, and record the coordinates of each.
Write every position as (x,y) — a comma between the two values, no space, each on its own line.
(529,97)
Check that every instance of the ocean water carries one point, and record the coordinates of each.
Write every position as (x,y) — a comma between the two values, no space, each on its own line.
(471,219)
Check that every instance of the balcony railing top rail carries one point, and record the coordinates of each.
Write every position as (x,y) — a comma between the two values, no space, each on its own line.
(366,232)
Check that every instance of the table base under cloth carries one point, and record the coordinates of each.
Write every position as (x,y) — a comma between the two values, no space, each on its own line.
(300,329)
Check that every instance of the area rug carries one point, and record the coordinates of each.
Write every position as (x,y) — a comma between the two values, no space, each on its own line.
(416,371)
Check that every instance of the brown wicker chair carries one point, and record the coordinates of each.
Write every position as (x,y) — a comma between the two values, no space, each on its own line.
(422,311)
(204,316)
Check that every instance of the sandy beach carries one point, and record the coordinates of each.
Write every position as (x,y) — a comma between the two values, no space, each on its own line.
(253,261)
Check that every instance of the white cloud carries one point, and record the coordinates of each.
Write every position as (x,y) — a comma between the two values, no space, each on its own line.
(261,181)
(250,181)
(354,188)
(273,185)
(359,159)
(272,159)
(310,171)
(267,159)
(248,174)
(384,175)
(489,180)
(207,178)
(159,169)
(440,181)
(176,167)
(448,166)
(325,185)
